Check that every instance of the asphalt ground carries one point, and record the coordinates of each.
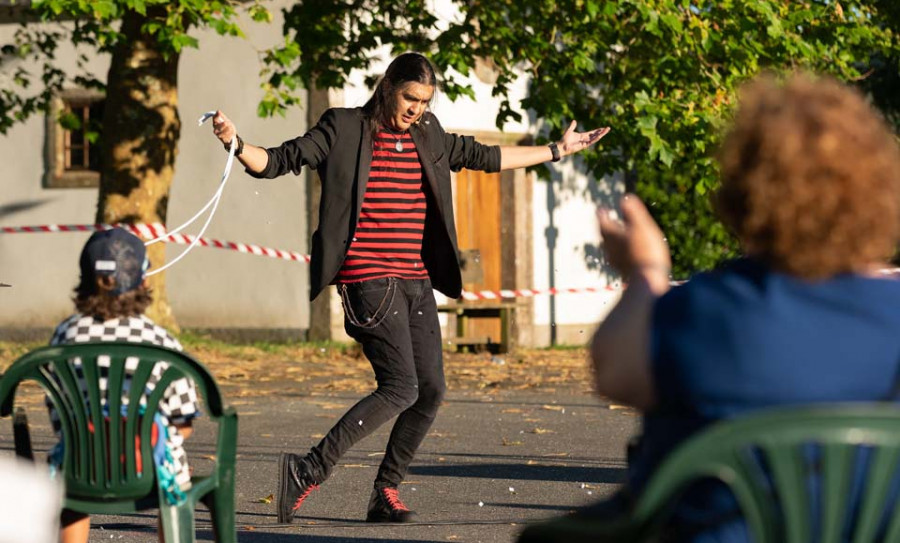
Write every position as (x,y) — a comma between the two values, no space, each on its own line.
(494,460)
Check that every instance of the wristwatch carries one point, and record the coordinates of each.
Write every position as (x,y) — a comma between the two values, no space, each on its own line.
(554,150)
(240,146)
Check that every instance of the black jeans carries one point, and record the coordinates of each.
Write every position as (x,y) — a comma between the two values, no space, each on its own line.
(396,322)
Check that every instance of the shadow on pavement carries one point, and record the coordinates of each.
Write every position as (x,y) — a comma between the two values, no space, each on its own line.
(255,537)
(525,472)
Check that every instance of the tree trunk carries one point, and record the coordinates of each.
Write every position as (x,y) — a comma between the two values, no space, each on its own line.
(141,128)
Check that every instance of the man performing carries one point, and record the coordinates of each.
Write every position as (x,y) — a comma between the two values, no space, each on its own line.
(386,237)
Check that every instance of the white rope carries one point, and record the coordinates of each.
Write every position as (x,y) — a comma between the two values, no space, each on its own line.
(214,202)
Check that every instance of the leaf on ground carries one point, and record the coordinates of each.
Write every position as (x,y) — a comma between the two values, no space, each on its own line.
(541,431)
(331,405)
(267,499)
(508,443)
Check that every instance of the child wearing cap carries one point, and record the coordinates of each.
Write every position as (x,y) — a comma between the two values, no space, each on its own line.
(110,301)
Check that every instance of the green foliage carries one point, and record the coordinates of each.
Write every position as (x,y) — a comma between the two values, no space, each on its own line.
(94,26)
(325,40)
(662,73)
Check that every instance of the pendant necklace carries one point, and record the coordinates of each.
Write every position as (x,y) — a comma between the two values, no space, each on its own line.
(398,145)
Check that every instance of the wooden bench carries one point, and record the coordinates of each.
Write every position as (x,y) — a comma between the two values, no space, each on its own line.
(464,311)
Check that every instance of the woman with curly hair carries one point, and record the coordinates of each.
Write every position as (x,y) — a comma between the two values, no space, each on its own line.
(811,188)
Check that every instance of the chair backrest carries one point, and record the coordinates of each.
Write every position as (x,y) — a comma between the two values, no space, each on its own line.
(108,452)
(781,464)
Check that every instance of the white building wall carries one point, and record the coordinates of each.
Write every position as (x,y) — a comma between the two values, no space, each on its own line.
(567,206)
(214,288)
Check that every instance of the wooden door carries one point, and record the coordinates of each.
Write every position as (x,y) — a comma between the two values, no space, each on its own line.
(478,226)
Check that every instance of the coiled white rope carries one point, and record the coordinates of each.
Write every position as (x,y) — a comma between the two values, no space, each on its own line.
(214,202)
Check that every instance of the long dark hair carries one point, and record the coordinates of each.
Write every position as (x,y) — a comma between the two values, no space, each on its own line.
(406,68)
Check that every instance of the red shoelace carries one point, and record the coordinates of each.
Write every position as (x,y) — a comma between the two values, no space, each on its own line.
(393,498)
(303,496)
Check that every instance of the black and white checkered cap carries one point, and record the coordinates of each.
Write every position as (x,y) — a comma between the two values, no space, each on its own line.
(117,253)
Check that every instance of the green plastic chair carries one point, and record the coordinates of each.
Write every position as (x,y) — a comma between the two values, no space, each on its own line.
(775,500)
(96,480)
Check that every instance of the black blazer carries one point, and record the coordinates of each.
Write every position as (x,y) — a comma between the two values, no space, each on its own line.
(339,146)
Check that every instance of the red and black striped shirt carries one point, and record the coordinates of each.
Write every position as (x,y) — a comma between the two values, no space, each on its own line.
(388,239)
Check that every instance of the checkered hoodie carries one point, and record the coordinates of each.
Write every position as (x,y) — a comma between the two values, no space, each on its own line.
(179,403)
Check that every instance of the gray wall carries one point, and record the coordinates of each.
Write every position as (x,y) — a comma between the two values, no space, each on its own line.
(210,288)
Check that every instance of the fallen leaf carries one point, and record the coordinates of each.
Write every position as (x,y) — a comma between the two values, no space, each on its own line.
(507,443)
(267,499)
(541,431)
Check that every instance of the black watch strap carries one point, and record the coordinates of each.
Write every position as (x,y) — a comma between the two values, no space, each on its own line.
(554,150)
(239,148)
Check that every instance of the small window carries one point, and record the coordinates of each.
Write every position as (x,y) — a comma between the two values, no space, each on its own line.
(73,127)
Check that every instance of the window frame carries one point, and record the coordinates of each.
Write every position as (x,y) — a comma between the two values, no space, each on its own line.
(57,174)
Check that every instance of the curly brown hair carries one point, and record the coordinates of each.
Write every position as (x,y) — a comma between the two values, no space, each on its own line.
(100,302)
(810,177)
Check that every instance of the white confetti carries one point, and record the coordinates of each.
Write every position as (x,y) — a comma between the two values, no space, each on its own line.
(360,423)
(480,504)
(511,489)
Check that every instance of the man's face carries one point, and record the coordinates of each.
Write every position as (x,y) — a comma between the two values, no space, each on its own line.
(410,102)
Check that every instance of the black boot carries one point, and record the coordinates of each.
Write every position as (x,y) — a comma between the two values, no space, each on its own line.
(385,506)
(294,485)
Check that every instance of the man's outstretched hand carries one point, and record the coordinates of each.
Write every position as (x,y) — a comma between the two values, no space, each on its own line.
(573,142)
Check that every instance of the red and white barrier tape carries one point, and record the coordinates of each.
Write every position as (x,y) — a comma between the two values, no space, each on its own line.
(528,293)
(142,230)
(157,230)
